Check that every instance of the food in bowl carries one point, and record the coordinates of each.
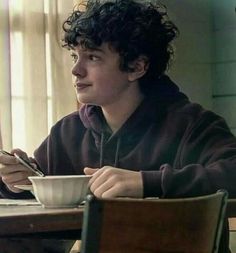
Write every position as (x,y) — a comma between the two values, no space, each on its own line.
(60,191)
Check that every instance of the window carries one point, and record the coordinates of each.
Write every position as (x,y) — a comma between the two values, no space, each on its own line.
(36,86)
(17,88)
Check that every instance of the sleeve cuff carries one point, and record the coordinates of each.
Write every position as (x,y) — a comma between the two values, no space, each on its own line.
(151,183)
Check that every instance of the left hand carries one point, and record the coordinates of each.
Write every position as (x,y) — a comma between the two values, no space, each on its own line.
(110,182)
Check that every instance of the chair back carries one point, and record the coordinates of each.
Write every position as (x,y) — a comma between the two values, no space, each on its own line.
(124,225)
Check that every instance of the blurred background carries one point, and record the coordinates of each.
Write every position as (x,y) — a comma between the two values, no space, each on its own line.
(35,78)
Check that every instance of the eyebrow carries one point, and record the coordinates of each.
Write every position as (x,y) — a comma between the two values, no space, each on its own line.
(95,49)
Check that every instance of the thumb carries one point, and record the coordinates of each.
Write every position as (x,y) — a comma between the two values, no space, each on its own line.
(90,171)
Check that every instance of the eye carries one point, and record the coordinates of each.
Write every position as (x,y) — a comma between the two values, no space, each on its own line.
(93,57)
(74,57)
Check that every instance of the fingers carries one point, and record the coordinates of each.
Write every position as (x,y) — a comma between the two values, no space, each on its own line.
(96,174)
(109,189)
(98,183)
(16,178)
(101,182)
(109,182)
(20,153)
(7,159)
(12,172)
(89,171)
(12,168)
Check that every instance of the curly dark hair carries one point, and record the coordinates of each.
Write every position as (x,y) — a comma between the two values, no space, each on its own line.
(131,27)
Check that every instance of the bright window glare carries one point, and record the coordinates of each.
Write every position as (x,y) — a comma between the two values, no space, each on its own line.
(49,66)
(49,80)
(18,126)
(16,64)
(16,4)
(17,84)
(46,6)
(17,102)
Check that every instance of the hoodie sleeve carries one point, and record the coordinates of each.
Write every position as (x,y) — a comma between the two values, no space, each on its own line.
(206,163)
(58,153)
(7,194)
(51,151)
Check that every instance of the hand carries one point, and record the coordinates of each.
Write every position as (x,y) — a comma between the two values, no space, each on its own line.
(109,182)
(12,172)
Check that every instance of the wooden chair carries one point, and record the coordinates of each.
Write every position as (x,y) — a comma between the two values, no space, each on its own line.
(124,225)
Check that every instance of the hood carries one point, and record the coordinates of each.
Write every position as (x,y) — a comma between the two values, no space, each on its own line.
(153,108)
(164,91)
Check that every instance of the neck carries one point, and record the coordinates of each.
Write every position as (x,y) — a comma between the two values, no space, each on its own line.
(116,114)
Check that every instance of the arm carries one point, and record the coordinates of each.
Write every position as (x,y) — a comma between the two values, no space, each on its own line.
(206,162)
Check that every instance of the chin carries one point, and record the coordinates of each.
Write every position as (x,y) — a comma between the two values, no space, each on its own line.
(85,100)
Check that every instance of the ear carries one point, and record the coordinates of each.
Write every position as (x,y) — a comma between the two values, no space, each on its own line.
(138,68)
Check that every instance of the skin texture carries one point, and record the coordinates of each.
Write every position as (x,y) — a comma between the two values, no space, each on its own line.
(109,182)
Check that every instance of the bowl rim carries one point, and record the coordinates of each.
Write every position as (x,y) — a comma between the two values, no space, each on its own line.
(59,177)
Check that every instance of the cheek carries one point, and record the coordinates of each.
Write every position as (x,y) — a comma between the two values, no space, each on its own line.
(111,77)
(108,81)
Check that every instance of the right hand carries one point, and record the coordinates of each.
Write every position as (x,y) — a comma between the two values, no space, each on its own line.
(12,172)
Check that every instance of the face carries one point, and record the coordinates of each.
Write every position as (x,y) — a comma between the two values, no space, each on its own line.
(98,79)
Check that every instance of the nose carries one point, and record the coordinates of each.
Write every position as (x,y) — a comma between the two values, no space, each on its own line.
(79,69)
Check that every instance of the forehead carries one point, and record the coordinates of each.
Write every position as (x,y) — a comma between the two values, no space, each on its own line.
(104,48)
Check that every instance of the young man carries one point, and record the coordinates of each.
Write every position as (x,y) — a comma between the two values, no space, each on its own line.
(136,133)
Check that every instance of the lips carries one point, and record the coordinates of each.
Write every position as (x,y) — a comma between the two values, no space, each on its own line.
(80,86)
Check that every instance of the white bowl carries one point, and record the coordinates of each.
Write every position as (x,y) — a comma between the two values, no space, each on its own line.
(60,191)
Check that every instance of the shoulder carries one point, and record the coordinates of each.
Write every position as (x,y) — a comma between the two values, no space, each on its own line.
(193,111)
(194,116)
(68,123)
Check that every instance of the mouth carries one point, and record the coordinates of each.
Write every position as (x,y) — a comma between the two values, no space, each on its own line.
(81,86)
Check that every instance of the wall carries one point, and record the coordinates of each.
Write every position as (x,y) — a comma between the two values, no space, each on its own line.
(224,61)
(192,69)
(205,66)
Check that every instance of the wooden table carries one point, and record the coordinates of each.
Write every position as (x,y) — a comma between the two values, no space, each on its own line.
(35,221)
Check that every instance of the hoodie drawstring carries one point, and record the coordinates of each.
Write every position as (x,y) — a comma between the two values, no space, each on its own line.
(117,153)
(101,151)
